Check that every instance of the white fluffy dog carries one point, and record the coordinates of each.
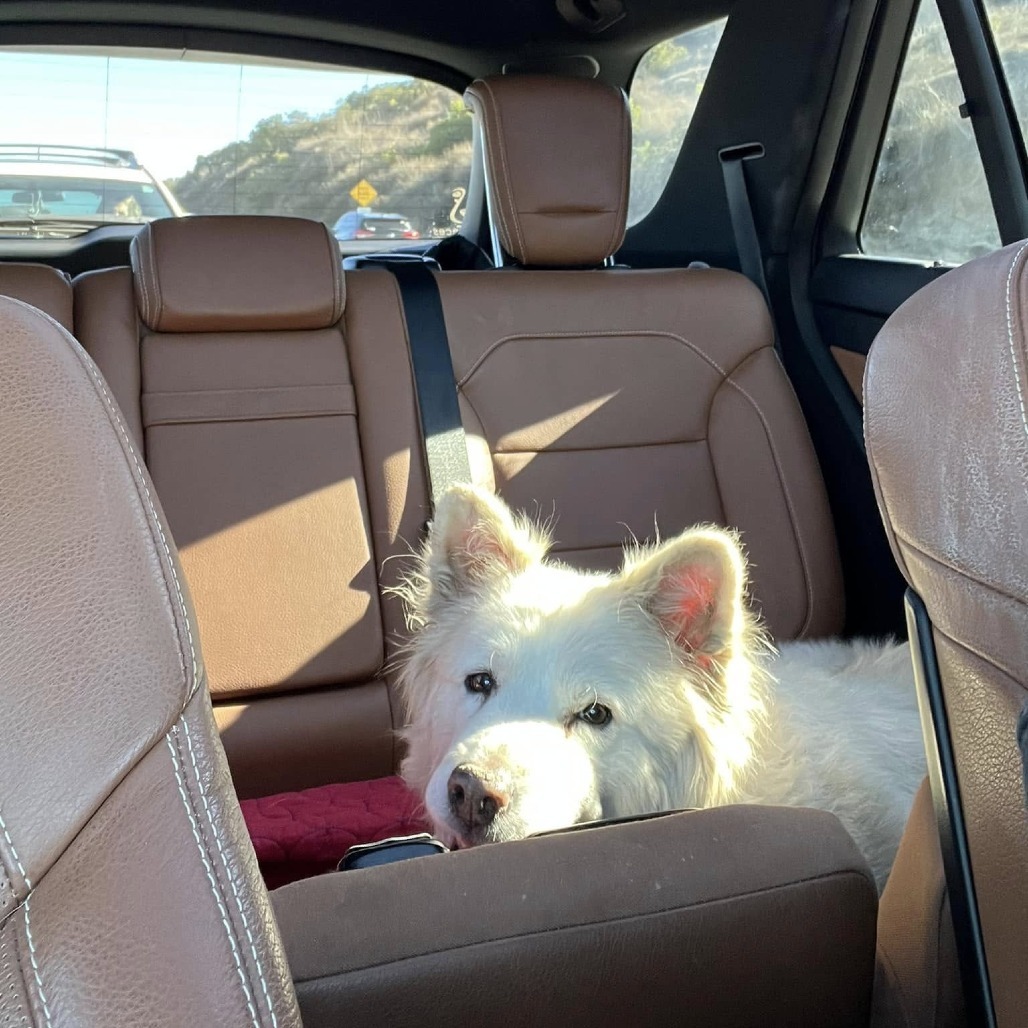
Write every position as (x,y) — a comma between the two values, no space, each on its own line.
(541,696)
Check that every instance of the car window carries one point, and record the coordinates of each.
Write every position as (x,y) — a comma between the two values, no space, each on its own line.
(213,134)
(75,198)
(665,88)
(929,199)
(1009,22)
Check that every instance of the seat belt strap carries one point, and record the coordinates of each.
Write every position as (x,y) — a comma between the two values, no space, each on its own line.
(442,431)
(744,228)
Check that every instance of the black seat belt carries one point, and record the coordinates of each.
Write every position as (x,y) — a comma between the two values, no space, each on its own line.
(446,451)
(744,228)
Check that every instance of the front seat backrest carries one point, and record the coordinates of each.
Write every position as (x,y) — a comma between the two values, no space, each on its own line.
(947,437)
(129,893)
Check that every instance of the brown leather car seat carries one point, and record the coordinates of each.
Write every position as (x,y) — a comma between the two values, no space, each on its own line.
(617,396)
(45,288)
(129,893)
(947,435)
(224,345)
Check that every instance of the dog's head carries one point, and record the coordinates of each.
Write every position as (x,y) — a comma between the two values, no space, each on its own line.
(540,696)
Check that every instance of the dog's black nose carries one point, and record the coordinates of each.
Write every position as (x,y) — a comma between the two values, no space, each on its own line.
(472,800)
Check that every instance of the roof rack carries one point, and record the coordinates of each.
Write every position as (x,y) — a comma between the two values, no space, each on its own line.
(68,154)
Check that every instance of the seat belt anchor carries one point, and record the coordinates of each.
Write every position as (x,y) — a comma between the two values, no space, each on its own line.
(741,152)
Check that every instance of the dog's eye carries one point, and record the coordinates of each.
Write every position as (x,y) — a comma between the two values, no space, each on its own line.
(481,682)
(595,714)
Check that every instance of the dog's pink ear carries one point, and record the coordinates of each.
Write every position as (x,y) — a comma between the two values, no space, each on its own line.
(693,586)
(474,538)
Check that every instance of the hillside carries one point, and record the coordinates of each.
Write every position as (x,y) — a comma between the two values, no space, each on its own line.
(411,140)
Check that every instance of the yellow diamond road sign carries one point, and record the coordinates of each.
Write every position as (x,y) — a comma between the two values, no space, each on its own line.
(364,192)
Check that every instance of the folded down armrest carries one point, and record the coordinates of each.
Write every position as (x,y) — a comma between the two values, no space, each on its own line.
(733,916)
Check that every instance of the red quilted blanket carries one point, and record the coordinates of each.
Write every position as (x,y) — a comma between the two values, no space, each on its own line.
(301,834)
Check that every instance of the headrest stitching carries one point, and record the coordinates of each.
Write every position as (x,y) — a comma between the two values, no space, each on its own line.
(158,302)
(139,272)
(337,277)
(501,146)
(618,221)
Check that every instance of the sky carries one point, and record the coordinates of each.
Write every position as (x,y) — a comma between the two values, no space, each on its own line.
(168,111)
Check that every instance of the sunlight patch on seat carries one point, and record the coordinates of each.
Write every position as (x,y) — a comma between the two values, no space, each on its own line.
(275,590)
(546,432)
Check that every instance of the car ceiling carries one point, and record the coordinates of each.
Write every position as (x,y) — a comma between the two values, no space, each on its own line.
(466,37)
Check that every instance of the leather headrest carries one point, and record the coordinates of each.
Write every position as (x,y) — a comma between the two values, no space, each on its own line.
(946,424)
(45,288)
(237,274)
(557,154)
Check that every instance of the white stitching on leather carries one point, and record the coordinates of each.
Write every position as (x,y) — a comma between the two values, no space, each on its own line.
(139,272)
(158,302)
(144,278)
(1010,338)
(112,408)
(625,167)
(621,333)
(14,852)
(337,276)
(211,879)
(229,875)
(35,966)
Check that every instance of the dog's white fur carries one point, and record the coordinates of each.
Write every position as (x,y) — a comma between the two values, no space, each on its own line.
(704,711)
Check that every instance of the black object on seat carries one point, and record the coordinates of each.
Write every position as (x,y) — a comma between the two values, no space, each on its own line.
(388,851)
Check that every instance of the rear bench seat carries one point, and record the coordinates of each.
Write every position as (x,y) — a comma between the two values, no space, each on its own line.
(273,402)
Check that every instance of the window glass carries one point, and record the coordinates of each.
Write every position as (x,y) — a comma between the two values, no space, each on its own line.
(663,96)
(90,138)
(929,199)
(1009,22)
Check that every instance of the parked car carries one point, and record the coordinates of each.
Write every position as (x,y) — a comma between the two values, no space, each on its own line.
(62,191)
(366,224)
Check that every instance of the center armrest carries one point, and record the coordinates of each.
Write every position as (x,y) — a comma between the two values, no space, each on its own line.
(732,916)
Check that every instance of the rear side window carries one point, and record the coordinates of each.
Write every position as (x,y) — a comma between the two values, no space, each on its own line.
(211,134)
(666,86)
(1008,20)
(929,199)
